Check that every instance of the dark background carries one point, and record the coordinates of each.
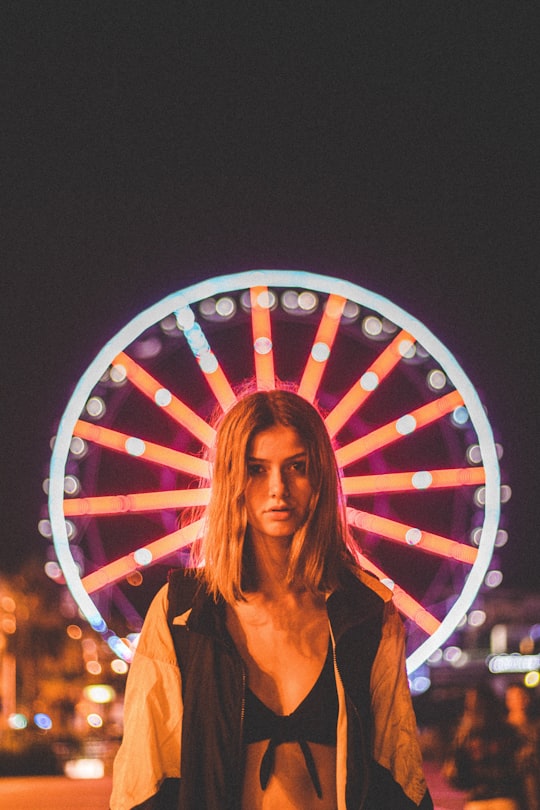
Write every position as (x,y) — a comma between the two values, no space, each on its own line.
(149,146)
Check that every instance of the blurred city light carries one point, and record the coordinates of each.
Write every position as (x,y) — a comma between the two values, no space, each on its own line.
(99,693)
(84,769)
(119,667)
(17,721)
(94,720)
(532,679)
(43,721)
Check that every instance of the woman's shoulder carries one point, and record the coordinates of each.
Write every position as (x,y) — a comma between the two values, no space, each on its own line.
(376,585)
(360,577)
(182,587)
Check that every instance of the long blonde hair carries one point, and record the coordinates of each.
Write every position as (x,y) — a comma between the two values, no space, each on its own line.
(319,549)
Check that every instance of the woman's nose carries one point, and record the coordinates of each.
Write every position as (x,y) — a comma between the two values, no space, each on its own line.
(278,484)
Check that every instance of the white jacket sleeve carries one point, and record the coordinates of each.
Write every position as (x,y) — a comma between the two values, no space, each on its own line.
(150,748)
(395,737)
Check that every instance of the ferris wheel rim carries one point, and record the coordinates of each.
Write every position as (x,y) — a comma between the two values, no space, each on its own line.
(281,279)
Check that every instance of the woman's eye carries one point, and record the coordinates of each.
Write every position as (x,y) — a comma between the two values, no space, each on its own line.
(255,469)
(299,467)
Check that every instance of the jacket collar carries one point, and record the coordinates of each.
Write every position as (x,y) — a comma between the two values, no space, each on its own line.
(354,604)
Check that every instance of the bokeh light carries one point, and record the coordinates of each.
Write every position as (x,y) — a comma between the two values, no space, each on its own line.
(94,720)
(17,721)
(99,693)
(43,721)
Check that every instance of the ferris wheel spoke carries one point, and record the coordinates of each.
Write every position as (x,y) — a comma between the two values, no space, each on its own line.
(413,481)
(162,397)
(136,502)
(140,448)
(263,346)
(412,536)
(206,358)
(404,602)
(397,429)
(322,346)
(141,558)
(368,382)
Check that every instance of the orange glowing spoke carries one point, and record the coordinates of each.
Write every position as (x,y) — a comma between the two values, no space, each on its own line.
(368,382)
(404,602)
(262,338)
(149,554)
(412,536)
(136,502)
(162,397)
(216,379)
(220,386)
(393,431)
(139,448)
(413,481)
(322,346)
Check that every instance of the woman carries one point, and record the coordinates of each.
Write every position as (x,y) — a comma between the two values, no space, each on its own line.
(271,674)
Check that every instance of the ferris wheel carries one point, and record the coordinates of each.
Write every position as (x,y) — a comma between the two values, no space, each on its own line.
(418,459)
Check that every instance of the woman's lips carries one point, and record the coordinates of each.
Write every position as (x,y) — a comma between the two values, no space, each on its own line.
(280,513)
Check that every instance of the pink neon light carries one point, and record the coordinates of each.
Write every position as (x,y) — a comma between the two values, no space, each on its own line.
(136,502)
(262,339)
(389,433)
(179,411)
(411,536)
(356,395)
(326,335)
(403,482)
(119,569)
(114,440)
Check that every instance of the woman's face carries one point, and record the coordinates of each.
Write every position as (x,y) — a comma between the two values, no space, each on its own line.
(278,491)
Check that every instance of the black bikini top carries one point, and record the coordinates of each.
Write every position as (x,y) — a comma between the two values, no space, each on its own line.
(313,720)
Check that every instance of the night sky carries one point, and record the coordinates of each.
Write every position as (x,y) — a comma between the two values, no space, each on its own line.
(150,146)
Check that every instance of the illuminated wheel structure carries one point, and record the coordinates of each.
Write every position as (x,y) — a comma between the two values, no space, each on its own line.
(419,462)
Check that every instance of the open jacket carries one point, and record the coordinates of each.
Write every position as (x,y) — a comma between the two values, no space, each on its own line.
(184,703)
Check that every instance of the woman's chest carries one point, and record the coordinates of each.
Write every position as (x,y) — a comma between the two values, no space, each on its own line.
(282,662)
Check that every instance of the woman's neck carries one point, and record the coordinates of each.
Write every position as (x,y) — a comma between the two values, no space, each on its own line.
(272,581)
(270,563)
